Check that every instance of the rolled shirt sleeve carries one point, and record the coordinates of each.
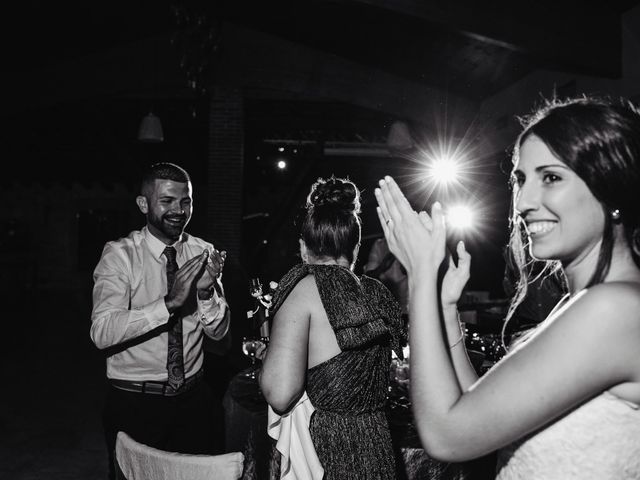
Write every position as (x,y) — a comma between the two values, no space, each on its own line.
(214,316)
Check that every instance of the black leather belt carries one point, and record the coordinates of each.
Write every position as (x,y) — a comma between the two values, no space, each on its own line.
(157,388)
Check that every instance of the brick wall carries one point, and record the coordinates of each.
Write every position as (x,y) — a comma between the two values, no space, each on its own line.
(225,169)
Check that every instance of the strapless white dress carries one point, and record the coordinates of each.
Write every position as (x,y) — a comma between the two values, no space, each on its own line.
(598,440)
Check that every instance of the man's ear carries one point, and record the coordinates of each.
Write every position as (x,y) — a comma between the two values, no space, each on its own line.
(141,200)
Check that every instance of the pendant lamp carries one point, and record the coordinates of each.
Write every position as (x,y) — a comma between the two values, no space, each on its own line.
(399,138)
(150,129)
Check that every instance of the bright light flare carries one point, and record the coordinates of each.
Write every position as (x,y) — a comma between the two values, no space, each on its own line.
(281,164)
(460,217)
(444,170)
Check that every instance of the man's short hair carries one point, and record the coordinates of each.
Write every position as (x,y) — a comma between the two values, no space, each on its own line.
(162,171)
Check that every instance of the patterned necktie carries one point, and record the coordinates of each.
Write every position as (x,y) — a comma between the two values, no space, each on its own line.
(175,361)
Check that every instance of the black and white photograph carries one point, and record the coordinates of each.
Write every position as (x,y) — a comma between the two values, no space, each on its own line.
(320,240)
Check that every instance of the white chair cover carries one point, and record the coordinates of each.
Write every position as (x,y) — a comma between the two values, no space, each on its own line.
(141,462)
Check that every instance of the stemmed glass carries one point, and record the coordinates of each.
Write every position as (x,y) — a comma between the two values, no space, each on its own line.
(251,346)
(399,383)
(254,345)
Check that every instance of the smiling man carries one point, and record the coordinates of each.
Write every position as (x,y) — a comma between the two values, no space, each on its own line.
(156,293)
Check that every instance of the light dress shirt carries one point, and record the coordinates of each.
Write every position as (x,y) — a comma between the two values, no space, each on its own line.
(130,284)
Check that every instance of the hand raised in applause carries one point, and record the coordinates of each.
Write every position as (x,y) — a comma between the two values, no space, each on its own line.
(456,277)
(417,240)
(213,269)
(184,281)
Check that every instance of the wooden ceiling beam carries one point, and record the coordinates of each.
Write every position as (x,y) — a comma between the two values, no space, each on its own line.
(256,60)
(579,37)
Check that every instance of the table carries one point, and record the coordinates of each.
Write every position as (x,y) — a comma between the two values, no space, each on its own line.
(245,413)
(246,431)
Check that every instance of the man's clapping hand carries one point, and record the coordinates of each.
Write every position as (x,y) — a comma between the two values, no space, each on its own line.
(196,269)
(213,269)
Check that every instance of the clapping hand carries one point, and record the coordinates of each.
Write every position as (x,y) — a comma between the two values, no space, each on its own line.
(213,269)
(193,269)
(417,240)
(456,277)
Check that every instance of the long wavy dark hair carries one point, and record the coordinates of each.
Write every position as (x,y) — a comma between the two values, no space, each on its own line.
(331,226)
(599,139)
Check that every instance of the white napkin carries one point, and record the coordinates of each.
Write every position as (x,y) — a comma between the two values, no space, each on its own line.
(299,460)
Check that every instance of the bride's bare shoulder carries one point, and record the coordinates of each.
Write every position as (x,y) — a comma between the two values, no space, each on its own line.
(618,300)
(619,291)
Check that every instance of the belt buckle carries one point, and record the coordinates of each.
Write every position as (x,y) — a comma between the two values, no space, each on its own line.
(163,388)
(153,388)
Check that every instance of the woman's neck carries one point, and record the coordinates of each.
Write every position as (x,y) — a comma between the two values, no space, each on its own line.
(342,261)
(622,268)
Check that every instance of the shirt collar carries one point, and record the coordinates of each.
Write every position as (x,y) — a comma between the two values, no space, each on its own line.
(157,246)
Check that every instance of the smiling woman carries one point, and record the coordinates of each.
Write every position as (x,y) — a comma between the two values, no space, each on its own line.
(585,154)
(565,402)
(561,216)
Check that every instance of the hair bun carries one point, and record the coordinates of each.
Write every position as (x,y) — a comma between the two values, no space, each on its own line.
(337,193)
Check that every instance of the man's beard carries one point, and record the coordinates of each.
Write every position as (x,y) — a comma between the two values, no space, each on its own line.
(171,229)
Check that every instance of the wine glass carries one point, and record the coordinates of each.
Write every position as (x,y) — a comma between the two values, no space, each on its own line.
(250,347)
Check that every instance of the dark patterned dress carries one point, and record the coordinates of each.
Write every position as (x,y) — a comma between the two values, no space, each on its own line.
(349,427)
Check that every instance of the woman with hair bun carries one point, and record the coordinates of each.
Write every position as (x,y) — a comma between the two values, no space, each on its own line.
(564,403)
(332,336)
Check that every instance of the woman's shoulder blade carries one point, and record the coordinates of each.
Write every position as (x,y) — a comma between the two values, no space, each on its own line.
(305,286)
(287,284)
(302,297)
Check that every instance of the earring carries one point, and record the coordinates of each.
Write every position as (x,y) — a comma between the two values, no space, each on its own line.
(615,215)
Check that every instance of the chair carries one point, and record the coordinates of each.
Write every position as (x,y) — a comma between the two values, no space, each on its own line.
(136,461)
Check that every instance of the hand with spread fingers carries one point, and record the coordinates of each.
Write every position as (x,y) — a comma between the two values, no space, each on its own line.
(417,240)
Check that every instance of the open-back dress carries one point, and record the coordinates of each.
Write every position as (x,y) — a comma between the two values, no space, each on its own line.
(349,427)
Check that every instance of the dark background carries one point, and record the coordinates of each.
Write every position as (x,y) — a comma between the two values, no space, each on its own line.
(323,79)
(79,78)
